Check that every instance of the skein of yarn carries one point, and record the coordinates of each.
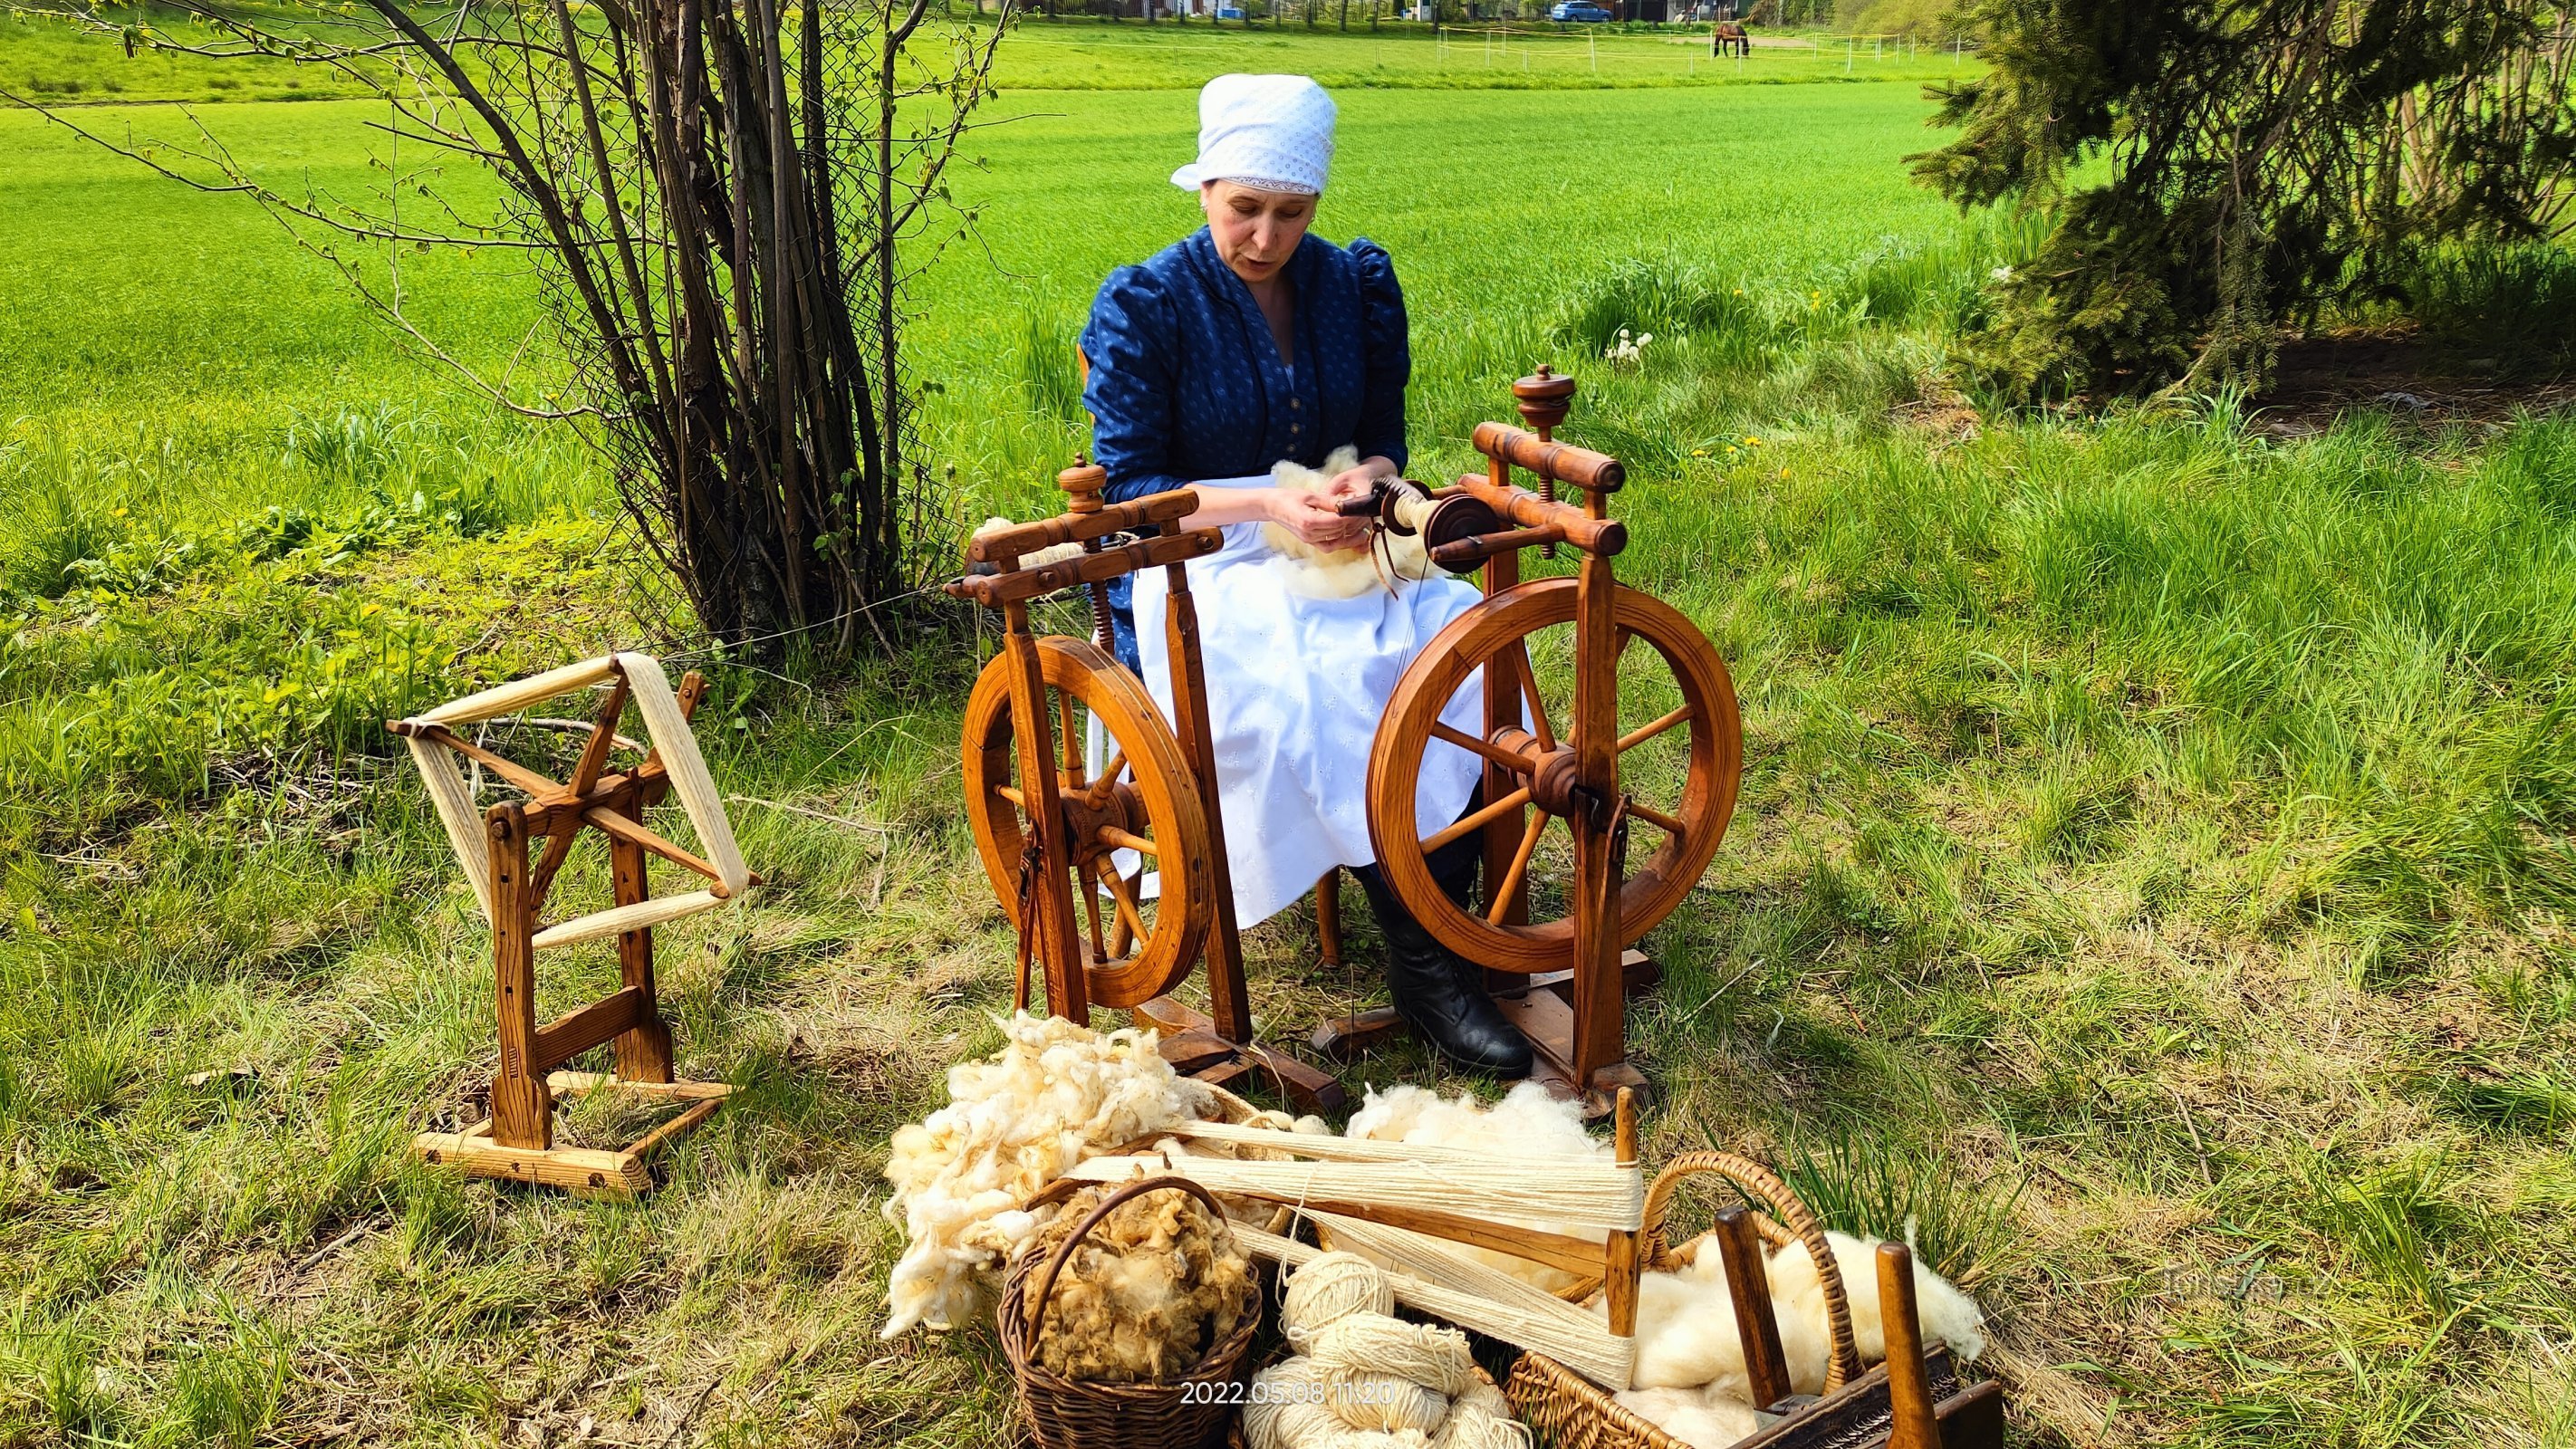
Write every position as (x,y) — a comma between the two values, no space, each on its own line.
(1328,1289)
(1436,1358)
(1286,1409)
(1481,1418)
(1386,1402)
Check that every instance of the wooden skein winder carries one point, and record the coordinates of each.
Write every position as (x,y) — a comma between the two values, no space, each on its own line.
(517,1140)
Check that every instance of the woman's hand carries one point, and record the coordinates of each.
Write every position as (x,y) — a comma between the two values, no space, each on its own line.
(1311,516)
(1355,482)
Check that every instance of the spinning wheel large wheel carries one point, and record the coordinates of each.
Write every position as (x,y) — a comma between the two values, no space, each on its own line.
(1142,800)
(1525,926)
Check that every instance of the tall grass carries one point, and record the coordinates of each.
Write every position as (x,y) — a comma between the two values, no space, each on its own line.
(2510,310)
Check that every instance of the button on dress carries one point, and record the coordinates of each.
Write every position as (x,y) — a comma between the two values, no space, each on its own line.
(1187,390)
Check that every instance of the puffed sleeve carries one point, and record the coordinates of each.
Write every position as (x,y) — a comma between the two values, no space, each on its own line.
(1131,340)
(1388,338)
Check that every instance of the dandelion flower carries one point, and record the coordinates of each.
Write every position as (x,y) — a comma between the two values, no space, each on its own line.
(2001,274)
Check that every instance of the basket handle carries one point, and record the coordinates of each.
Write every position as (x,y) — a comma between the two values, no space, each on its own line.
(1757,1181)
(1072,1240)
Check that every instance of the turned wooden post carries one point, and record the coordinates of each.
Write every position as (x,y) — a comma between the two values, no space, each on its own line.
(1082,484)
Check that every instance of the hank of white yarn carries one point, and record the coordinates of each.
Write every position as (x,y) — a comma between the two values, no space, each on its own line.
(1368,1400)
(1436,1358)
(1328,1289)
(1481,1418)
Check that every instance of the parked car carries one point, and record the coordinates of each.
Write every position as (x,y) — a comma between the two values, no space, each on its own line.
(1583,11)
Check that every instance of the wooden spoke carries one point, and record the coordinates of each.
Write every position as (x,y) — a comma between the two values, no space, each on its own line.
(519,776)
(1129,917)
(1073,749)
(1465,741)
(1529,691)
(1013,795)
(1478,821)
(1091,906)
(1111,835)
(1102,788)
(1645,732)
(1670,825)
(1519,872)
(635,834)
(594,755)
(1121,940)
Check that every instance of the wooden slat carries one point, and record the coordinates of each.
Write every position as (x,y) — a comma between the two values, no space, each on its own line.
(519,776)
(635,834)
(625,918)
(518,694)
(568,1036)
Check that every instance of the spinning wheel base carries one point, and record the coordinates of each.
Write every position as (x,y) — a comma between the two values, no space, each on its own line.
(1540,1006)
(1191,1044)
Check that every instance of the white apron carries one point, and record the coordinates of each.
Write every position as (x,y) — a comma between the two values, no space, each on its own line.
(1296,687)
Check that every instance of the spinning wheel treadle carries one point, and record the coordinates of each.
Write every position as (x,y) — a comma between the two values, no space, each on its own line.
(1133,948)
(1538,776)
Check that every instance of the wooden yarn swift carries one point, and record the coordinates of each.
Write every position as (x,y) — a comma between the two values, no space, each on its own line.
(517,1140)
(1067,845)
(1561,974)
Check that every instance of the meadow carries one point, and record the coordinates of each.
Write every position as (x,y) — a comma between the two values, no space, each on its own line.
(2150,888)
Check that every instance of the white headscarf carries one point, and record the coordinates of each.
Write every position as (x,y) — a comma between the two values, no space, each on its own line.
(1273,132)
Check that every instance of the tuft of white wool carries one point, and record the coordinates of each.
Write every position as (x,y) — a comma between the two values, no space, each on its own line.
(1055,1094)
(1338,573)
(1947,1315)
(1699,1420)
(1526,1123)
(1053,553)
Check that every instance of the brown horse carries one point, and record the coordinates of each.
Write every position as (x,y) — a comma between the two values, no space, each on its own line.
(1728,35)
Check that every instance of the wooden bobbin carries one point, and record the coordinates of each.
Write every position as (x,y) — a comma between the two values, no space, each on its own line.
(1543,399)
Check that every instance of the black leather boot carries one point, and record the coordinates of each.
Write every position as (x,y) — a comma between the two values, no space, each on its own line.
(1440,996)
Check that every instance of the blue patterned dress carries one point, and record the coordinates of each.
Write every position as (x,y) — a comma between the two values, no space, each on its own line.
(1187,385)
(1187,389)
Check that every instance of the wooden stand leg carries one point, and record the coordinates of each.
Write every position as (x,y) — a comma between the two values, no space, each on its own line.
(522,1111)
(1328,918)
(643,1052)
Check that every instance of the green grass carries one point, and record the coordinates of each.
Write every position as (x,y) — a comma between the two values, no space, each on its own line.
(2151,883)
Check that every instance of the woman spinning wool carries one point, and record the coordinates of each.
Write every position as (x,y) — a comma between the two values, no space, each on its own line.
(1248,344)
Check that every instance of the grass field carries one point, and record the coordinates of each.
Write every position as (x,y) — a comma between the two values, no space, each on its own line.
(2151,879)
(53,63)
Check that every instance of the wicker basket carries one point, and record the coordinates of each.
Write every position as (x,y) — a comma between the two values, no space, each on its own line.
(1569,1411)
(1188,1413)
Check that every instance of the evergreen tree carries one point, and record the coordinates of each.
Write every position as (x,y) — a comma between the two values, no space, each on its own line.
(2266,158)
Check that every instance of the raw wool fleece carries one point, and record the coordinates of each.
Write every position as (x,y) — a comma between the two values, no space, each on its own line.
(1151,1290)
(1055,1094)
(1948,1315)
(1526,1123)
(1690,1378)
(1341,573)
(1702,1420)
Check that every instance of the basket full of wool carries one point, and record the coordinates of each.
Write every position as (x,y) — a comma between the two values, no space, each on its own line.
(1690,1388)
(1126,1316)
(1055,1094)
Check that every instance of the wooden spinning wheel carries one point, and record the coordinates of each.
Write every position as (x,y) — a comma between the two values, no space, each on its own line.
(1541,772)
(1144,806)
(1560,905)
(1068,836)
